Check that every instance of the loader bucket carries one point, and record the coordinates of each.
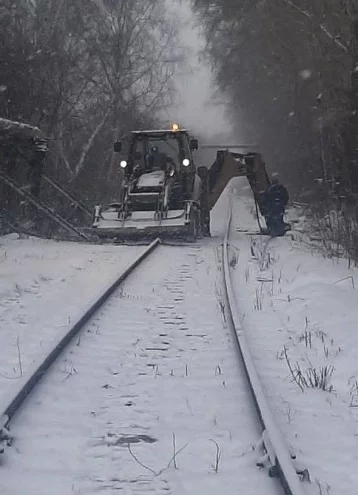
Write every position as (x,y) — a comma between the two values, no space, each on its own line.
(142,227)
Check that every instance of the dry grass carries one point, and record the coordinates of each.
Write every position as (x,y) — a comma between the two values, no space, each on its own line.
(311,377)
(216,464)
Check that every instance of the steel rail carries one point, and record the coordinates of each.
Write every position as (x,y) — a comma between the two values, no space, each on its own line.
(41,206)
(11,404)
(273,441)
(67,195)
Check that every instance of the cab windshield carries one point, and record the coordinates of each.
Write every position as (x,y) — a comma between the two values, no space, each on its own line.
(170,145)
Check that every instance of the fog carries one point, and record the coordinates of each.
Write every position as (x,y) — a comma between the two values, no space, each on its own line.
(197,107)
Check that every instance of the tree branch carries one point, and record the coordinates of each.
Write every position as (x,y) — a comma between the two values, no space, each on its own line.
(329,35)
(87,147)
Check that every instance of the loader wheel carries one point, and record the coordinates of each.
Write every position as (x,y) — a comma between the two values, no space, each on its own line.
(194,225)
(205,222)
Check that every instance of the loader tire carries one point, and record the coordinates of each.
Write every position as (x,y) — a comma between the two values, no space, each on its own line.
(205,222)
(194,227)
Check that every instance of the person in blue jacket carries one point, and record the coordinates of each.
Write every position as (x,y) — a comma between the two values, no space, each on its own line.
(275,200)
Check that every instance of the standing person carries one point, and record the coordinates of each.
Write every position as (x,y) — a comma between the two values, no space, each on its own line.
(275,200)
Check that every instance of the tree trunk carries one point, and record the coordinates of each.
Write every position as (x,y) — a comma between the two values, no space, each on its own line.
(354,117)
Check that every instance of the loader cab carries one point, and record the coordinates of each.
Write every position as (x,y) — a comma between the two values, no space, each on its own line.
(147,149)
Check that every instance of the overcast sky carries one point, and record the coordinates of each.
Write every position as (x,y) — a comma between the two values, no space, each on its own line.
(196,109)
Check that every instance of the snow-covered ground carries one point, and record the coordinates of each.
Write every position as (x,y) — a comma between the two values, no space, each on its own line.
(300,311)
(154,374)
(44,285)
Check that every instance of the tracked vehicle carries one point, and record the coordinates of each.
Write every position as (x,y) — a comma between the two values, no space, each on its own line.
(164,193)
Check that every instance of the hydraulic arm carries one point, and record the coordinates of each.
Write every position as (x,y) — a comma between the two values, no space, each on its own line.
(228,165)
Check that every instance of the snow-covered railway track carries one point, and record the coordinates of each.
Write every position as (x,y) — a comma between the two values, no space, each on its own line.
(149,398)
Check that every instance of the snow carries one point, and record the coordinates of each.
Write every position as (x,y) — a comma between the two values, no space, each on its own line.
(151,179)
(275,449)
(162,345)
(14,126)
(305,74)
(291,297)
(156,368)
(43,286)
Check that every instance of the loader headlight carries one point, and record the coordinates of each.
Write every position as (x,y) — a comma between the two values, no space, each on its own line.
(123,164)
(186,162)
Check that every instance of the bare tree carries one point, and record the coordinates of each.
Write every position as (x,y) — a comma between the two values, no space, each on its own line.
(287,64)
(86,72)
(290,69)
